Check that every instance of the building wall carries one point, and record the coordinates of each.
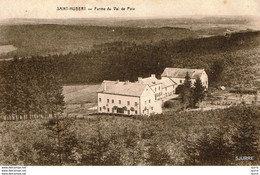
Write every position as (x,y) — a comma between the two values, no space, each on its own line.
(144,105)
(168,91)
(105,106)
(204,80)
(180,80)
(149,105)
(157,89)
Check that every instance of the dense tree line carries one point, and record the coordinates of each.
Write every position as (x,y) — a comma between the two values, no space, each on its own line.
(30,88)
(128,60)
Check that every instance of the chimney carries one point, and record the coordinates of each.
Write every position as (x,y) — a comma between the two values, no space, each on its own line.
(126,82)
(117,81)
(104,86)
(139,79)
(153,75)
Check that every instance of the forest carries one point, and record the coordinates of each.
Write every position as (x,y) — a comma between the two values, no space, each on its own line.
(29,88)
(228,58)
(44,39)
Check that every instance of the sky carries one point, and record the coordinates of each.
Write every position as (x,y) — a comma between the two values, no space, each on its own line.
(143,8)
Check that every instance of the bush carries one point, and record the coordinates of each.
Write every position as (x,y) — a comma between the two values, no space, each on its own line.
(168,104)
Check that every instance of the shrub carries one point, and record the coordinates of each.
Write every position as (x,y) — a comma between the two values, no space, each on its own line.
(168,104)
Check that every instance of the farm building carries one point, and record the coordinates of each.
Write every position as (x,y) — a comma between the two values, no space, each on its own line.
(162,88)
(168,87)
(145,96)
(154,84)
(178,75)
(127,98)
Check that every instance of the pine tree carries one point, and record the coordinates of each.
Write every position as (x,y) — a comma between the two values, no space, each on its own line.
(158,156)
(30,88)
(209,150)
(186,93)
(198,92)
(245,137)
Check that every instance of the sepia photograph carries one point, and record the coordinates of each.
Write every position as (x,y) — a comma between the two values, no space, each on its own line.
(129,83)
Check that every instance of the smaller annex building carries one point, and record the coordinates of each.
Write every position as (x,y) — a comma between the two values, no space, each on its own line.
(178,75)
(162,88)
(127,98)
(153,83)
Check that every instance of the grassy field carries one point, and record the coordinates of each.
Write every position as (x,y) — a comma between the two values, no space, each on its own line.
(6,48)
(80,93)
(80,100)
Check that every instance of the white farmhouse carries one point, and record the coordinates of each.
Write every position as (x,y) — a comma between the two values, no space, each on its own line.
(154,84)
(162,88)
(127,98)
(178,75)
(168,86)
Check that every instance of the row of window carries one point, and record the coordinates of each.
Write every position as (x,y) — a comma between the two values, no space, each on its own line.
(182,81)
(148,101)
(120,111)
(115,111)
(119,101)
(158,88)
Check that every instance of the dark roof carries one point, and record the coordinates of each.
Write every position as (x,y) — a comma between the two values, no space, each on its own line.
(166,82)
(150,81)
(122,88)
(181,73)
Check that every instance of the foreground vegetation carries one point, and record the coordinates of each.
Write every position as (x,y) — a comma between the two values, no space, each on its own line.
(186,138)
(29,88)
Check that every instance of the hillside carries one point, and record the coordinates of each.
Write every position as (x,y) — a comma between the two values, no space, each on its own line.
(124,53)
(238,55)
(45,39)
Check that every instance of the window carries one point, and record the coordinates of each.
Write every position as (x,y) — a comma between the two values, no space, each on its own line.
(112,100)
(128,112)
(149,101)
(119,101)
(107,109)
(180,81)
(136,104)
(100,109)
(107,100)
(99,99)
(152,108)
(154,89)
(159,87)
(135,112)
(128,102)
